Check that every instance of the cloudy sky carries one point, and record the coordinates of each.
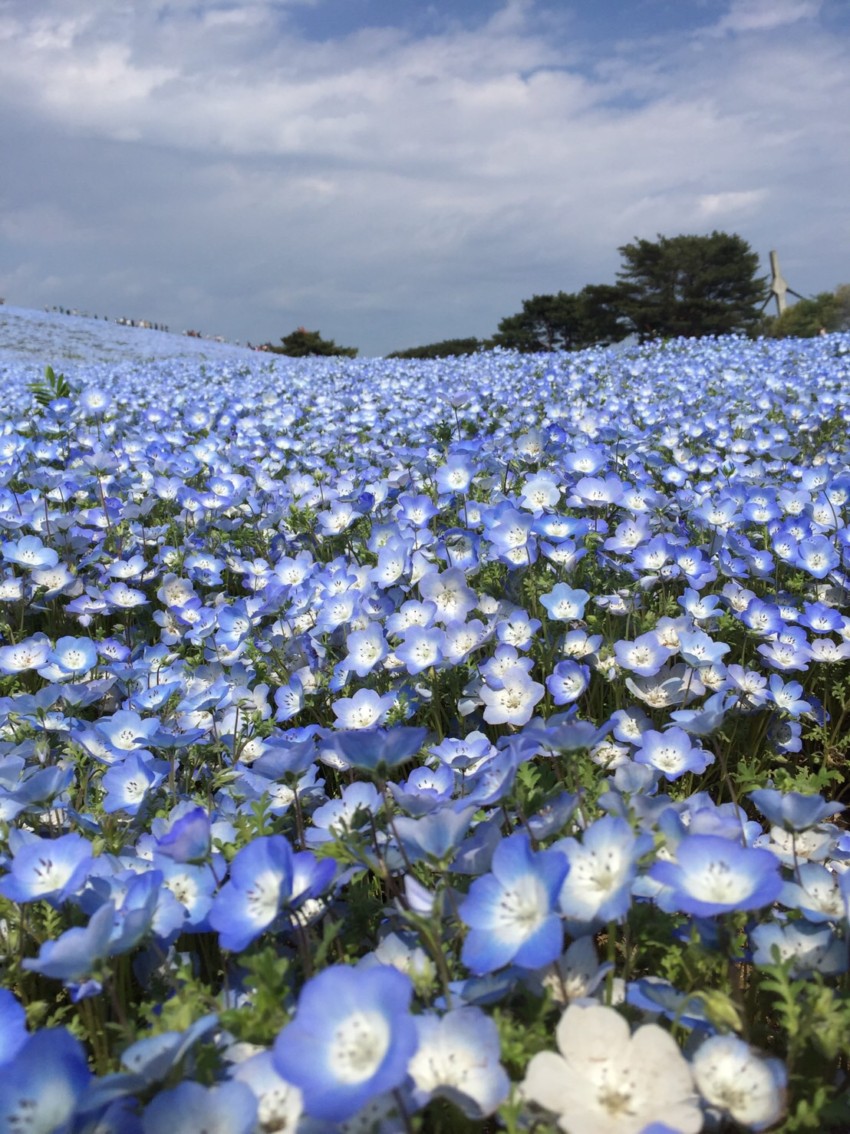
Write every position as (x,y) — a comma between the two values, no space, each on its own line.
(394,172)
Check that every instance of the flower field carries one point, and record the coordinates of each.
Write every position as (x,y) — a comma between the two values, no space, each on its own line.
(426,746)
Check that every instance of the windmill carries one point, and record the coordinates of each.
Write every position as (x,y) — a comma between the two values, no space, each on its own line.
(778,286)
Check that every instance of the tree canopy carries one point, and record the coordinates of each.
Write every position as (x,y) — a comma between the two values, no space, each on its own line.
(827,311)
(691,286)
(446,348)
(566,321)
(302,343)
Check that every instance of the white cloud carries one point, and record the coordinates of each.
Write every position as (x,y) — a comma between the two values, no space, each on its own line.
(764,15)
(430,181)
(731,204)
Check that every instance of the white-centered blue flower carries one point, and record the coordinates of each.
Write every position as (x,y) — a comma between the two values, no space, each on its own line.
(512,911)
(351,1040)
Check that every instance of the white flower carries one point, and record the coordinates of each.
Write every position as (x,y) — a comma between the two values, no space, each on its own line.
(606,1079)
(458,1059)
(731,1077)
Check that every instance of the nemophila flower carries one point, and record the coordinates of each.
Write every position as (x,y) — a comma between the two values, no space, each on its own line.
(366,649)
(644,656)
(279,1104)
(456,474)
(45,869)
(128,781)
(656,996)
(671,685)
(126,731)
(793,810)
(822,619)
(260,883)
(11,589)
(552,816)
(351,1040)
(817,556)
(825,651)
(607,1079)
(503,659)
(30,653)
(421,648)
(567,681)
(785,736)
(672,753)
(787,655)
(366,709)
(458,1059)
(512,911)
(815,893)
(339,817)
(702,608)
(705,719)
(697,649)
(227,1108)
(13,1026)
(435,835)
(564,603)
(714,875)
(29,552)
(596,492)
(43,1083)
(188,835)
(513,702)
(75,954)
(450,593)
(733,1079)
(540,491)
(425,789)
(70,657)
(376,749)
(602,867)
(808,948)
(577,974)
(511,536)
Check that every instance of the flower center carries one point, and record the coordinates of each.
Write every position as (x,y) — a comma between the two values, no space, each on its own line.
(358,1046)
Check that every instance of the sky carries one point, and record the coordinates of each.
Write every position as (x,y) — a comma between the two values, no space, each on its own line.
(396,172)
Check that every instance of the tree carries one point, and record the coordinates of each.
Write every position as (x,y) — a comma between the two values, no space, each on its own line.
(302,343)
(565,321)
(447,348)
(691,286)
(827,311)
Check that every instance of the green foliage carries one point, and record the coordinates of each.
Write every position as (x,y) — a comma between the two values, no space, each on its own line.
(691,286)
(265,1011)
(827,311)
(564,321)
(447,348)
(51,387)
(302,343)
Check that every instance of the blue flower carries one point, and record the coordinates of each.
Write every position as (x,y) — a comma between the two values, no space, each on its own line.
(602,867)
(793,810)
(42,1083)
(229,1108)
(260,882)
(672,753)
(13,1026)
(49,869)
(76,952)
(565,604)
(512,911)
(713,875)
(351,1040)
